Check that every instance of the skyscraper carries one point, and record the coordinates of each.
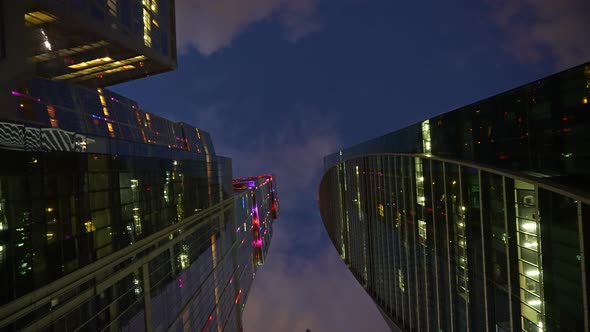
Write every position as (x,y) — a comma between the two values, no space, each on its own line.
(88,42)
(473,220)
(112,217)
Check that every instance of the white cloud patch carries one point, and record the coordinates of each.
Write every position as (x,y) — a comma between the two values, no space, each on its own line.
(210,25)
(536,27)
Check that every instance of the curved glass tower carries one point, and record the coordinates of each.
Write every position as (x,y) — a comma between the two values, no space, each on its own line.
(473,220)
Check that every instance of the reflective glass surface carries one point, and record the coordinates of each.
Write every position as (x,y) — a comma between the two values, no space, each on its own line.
(445,246)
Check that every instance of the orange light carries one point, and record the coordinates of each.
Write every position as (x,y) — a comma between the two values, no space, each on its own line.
(585,100)
(111,130)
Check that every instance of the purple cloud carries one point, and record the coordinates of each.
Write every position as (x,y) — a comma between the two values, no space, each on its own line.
(210,25)
(534,27)
(292,293)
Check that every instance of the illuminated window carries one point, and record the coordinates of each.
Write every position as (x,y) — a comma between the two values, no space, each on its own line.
(102,69)
(147,27)
(111,130)
(422,231)
(91,63)
(68,51)
(45,40)
(419,173)
(529,255)
(52,120)
(89,226)
(103,102)
(38,18)
(426,143)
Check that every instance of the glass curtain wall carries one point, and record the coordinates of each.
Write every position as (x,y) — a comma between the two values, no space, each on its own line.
(442,246)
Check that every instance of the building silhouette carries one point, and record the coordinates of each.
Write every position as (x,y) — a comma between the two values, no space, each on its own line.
(112,217)
(473,220)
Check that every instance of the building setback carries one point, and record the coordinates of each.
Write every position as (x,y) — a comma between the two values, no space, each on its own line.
(112,217)
(473,220)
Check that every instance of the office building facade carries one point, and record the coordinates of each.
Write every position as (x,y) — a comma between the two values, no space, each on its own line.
(111,218)
(95,43)
(115,218)
(473,220)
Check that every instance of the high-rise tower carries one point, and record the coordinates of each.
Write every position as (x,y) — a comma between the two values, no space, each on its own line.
(112,217)
(473,220)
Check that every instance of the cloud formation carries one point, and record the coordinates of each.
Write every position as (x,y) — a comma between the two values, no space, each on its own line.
(294,294)
(210,25)
(303,284)
(536,27)
(291,148)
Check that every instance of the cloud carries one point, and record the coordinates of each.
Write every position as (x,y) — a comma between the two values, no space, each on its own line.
(291,148)
(291,293)
(534,28)
(303,284)
(210,25)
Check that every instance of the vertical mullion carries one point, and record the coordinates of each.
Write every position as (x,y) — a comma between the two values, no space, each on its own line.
(450,266)
(483,251)
(583,265)
(435,244)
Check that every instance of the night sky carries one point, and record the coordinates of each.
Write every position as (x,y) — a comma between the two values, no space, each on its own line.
(281,83)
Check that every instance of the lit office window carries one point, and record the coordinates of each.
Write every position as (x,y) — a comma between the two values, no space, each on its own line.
(52,118)
(426,142)
(529,256)
(420,198)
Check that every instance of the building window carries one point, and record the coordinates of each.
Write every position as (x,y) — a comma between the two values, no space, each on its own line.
(426,143)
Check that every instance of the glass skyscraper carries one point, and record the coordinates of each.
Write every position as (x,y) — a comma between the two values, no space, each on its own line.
(111,217)
(473,220)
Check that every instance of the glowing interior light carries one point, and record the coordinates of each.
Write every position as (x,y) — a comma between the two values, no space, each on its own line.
(533,273)
(530,244)
(585,100)
(421,179)
(460,224)
(46,42)
(529,226)
(38,18)
(90,63)
(454,182)
(238,297)
(462,208)
(534,302)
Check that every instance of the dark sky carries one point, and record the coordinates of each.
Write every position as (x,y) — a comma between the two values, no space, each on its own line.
(281,83)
